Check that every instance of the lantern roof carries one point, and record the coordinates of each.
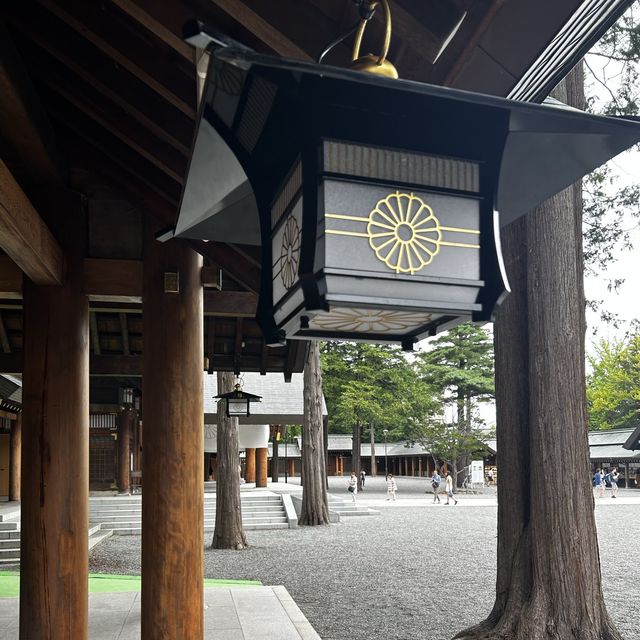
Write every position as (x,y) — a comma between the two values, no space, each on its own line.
(259,110)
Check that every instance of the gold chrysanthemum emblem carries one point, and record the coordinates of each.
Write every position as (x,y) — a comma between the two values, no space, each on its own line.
(404,232)
(370,320)
(290,253)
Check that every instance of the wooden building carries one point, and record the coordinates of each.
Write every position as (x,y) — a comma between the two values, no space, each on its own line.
(97,113)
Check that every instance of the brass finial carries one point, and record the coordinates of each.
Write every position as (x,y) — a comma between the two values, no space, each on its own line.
(371,63)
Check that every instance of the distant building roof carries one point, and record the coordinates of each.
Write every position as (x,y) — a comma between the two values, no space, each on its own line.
(608,445)
(282,402)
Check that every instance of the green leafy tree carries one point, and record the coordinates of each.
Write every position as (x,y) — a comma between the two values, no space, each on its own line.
(459,367)
(369,386)
(613,387)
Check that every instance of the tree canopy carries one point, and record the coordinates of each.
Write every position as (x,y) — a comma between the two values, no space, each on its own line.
(613,389)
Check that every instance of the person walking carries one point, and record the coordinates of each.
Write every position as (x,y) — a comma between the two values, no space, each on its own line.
(614,482)
(352,487)
(436,479)
(598,483)
(392,487)
(448,487)
(363,475)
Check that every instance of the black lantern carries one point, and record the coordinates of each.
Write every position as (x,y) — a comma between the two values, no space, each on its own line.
(238,401)
(375,200)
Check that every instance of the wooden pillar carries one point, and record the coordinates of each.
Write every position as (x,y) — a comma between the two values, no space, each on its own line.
(262,460)
(15,457)
(126,425)
(172,499)
(55,450)
(420,467)
(250,467)
(413,466)
(292,468)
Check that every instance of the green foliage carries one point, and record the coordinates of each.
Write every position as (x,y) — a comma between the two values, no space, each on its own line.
(613,388)
(370,384)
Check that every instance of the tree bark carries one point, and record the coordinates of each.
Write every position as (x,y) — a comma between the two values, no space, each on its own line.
(16,456)
(355,452)
(315,508)
(228,533)
(372,433)
(548,574)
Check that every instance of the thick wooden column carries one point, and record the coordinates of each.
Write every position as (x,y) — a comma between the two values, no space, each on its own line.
(172,497)
(262,461)
(15,457)
(55,455)
(292,467)
(126,425)
(250,468)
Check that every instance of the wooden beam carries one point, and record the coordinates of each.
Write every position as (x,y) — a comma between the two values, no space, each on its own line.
(156,28)
(99,365)
(23,123)
(89,26)
(25,237)
(122,126)
(94,335)
(243,271)
(141,104)
(124,330)
(292,353)
(7,414)
(4,339)
(122,278)
(263,359)
(250,20)
(230,303)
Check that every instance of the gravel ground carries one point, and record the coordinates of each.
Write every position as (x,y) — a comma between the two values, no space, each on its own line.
(411,573)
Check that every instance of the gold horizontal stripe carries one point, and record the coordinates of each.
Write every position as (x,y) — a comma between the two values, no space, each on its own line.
(341,216)
(460,230)
(459,244)
(347,233)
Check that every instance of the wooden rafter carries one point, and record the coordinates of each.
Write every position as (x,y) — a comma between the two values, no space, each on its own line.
(242,270)
(83,20)
(23,122)
(263,30)
(157,28)
(4,338)
(124,331)
(95,336)
(263,359)
(52,59)
(25,237)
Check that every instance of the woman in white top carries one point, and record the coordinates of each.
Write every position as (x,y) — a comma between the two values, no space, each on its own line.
(448,485)
(353,485)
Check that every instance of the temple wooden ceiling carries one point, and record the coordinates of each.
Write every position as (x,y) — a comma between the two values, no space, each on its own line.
(100,97)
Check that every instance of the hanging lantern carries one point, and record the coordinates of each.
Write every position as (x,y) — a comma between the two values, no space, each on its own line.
(238,401)
(376,200)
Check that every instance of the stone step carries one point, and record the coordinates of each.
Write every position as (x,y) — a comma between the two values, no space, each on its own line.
(10,554)
(10,526)
(10,535)
(116,510)
(11,543)
(99,536)
(9,515)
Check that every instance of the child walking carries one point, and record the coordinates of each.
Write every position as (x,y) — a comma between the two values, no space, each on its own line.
(392,487)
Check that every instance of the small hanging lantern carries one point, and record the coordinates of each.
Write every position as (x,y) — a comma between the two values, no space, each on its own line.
(238,401)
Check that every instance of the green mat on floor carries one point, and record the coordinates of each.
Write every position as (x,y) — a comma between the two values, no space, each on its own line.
(106,583)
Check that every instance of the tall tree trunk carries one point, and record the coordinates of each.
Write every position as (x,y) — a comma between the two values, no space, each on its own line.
(315,507)
(228,532)
(548,578)
(372,433)
(355,451)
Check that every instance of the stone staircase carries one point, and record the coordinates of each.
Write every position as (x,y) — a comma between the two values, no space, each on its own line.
(123,514)
(347,507)
(10,537)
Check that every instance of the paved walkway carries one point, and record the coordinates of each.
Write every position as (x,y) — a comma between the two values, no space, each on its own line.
(244,613)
